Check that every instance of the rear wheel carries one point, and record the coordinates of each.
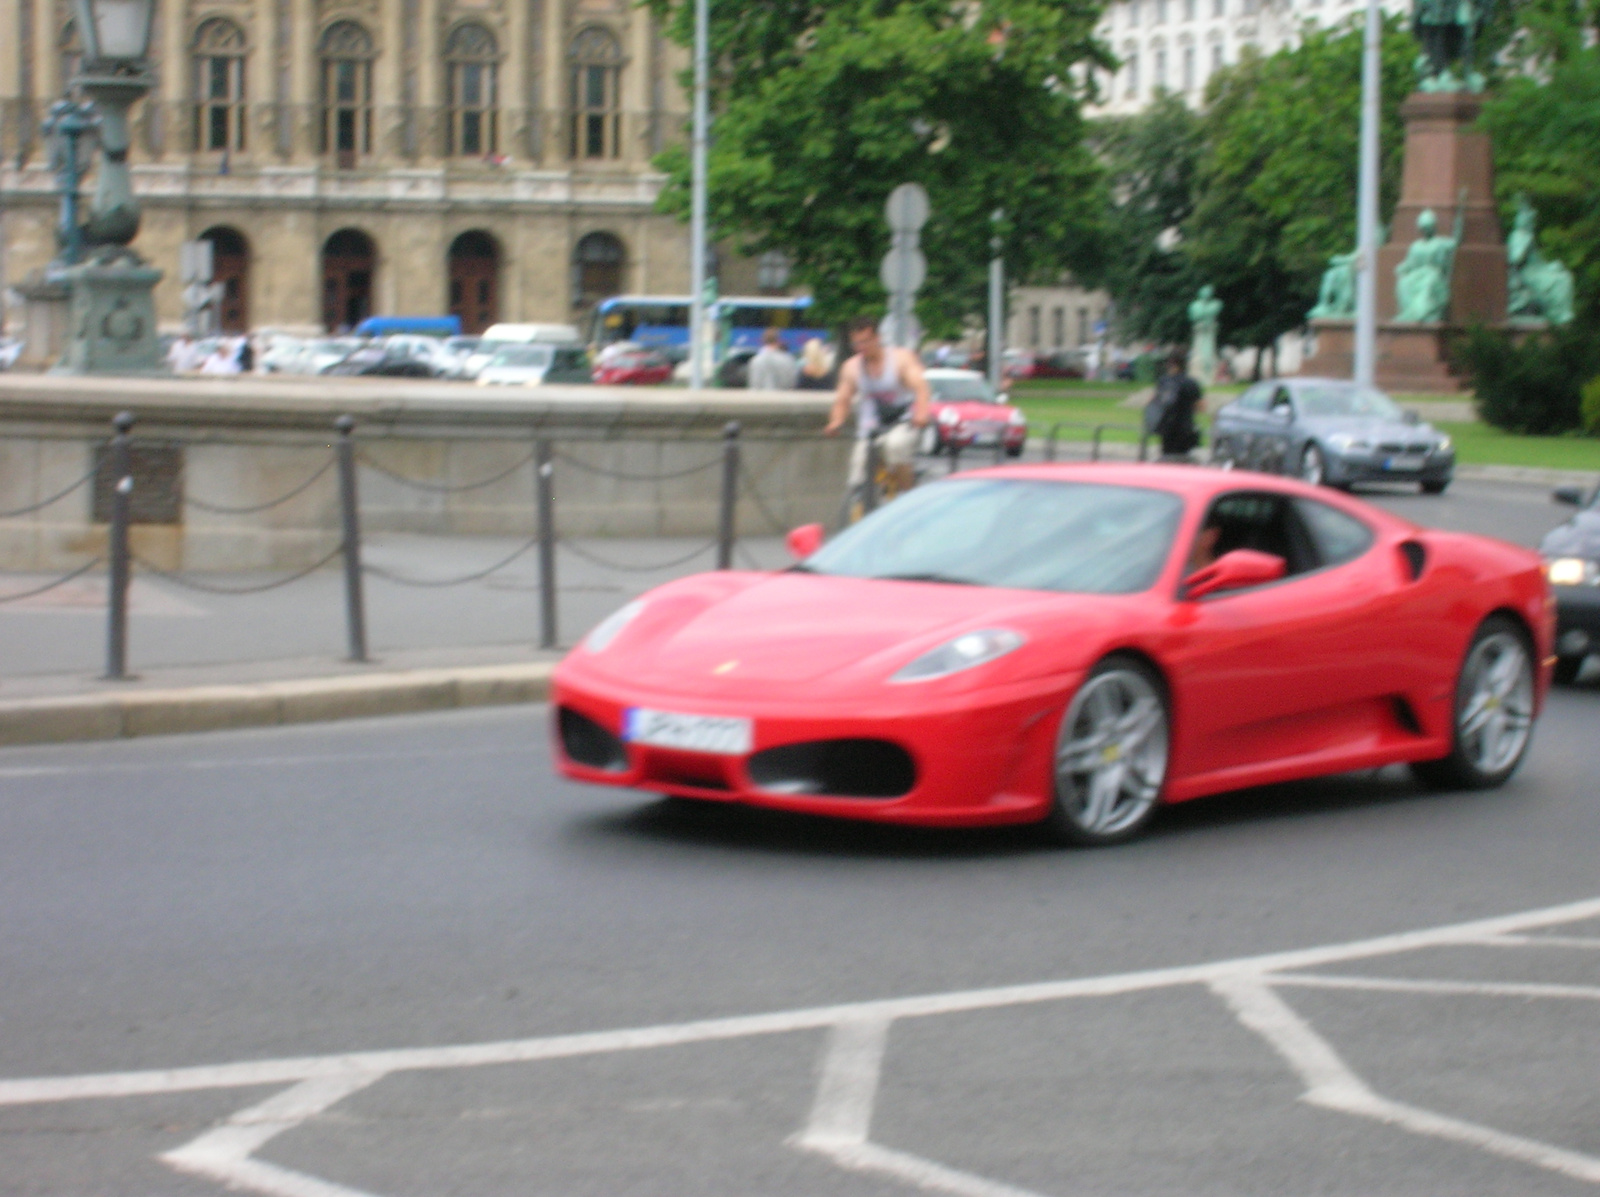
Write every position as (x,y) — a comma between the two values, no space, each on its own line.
(1111,754)
(1493,711)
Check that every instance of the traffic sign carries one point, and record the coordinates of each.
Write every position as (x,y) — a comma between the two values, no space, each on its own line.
(904,268)
(907,209)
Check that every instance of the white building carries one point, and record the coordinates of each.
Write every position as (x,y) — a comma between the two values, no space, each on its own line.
(1175,45)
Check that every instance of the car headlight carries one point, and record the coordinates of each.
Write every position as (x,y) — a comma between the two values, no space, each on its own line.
(1445,445)
(949,416)
(1343,442)
(609,628)
(1016,417)
(966,651)
(1572,571)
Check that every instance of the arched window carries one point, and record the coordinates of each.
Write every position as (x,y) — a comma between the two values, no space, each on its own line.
(219,115)
(474,270)
(469,55)
(597,269)
(596,95)
(230,268)
(346,51)
(349,261)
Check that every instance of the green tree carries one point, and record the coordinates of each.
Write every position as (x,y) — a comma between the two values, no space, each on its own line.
(823,108)
(1277,180)
(1546,137)
(1150,160)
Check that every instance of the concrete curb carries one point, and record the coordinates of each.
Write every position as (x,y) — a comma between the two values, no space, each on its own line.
(268,704)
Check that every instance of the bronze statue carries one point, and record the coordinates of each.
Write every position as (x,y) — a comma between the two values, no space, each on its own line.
(1448,32)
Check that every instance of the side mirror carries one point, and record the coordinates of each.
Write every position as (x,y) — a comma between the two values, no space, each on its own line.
(1234,571)
(1572,496)
(804,540)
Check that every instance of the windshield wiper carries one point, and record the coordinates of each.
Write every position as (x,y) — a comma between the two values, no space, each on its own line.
(949,579)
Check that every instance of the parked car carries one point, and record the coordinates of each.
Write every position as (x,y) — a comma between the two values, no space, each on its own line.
(1572,565)
(320,356)
(633,365)
(1063,363)
(385,360)
(1330,432)
(535,365)
(967,412)
(427,349)
(498,336)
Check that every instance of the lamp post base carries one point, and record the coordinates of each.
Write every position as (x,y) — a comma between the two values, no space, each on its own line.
(111,326)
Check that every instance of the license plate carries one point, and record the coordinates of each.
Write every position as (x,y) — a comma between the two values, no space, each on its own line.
(1404,463)
(724,735)
(985,438)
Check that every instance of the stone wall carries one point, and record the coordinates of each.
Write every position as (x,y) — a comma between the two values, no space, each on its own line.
(626,464)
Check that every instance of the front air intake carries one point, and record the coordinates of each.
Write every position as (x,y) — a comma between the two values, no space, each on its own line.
(587,743)
(835,769)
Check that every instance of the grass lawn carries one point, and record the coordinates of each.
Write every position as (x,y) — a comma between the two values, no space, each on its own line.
(1081,406)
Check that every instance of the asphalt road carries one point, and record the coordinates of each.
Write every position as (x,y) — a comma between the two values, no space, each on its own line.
(400,958)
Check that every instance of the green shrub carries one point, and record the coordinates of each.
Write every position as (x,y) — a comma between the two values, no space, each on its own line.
(1591,406)
(1533,385)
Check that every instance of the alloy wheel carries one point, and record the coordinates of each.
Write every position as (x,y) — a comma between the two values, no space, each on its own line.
(1495,717)
(1312,466)
(1111,755)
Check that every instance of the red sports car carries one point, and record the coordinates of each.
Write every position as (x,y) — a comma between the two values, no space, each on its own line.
(643,367)
(1069,644)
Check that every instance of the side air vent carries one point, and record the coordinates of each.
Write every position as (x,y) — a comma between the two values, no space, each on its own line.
(587,743)
(835,769)
(1415,557)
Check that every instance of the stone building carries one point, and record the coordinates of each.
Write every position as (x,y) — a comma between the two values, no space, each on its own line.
(347,158)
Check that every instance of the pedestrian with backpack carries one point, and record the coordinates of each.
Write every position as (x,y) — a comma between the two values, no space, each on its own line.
(1170,414)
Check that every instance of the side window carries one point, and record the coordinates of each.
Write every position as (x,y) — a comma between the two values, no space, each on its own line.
(1280,399)
(1255,399)
(1338,537)
(1265,522)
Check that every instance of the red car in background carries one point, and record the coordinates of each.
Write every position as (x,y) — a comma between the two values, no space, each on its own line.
(632,366)
(967,414)
(1074,645)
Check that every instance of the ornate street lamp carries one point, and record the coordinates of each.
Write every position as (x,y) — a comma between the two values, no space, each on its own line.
(112,326)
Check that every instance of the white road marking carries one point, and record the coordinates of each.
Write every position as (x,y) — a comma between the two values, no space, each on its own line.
(841,1117)
(1543,941)
(1330,1084)
(223,1153)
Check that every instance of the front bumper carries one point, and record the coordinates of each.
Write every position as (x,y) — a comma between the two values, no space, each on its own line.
(980,758)
(1577,620)
(1380,467)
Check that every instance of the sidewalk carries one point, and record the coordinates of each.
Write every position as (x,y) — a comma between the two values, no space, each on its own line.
(205,661)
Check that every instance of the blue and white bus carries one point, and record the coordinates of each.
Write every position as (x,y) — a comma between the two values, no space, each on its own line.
(663,321)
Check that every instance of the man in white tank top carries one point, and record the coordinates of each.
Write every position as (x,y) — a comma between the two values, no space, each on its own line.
(889,391)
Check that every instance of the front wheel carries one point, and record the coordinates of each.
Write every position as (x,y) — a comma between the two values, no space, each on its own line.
(1111,755)
(1313,466)
(1493,711)
(1016,450)
(1435,488)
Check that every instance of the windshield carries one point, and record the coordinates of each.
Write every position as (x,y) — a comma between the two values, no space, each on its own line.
(962,390)
(1335,399)
(1079,538)
(522,355)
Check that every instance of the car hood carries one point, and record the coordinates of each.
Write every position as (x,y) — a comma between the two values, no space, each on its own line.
(975,411)
(1578,537)
(757,632)
(1372,428)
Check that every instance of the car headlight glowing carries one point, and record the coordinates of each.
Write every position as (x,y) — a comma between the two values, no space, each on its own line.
(949,416)
(609,628)
(966,651)
(1445,445)
(1572,571)
(1343,442)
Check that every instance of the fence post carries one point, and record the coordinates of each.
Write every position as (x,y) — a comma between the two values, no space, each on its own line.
(1050,443)
(999,448)
(1144,446)
(120,563)
(544,493)
(355,607)
(955,457)
(1099,431)
(869,498)
(730,494)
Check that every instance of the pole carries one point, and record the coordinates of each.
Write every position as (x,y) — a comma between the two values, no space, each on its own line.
(730,494)
(869,497)
(997,315)
(697,203)
(121,560)
(355,603)
(544,490)
(1367,200)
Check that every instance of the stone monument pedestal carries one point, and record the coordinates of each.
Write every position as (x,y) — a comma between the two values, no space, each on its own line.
(44,313)
(112,320)
(1447,167)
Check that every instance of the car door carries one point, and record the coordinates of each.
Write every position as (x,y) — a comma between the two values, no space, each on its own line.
(1291,670)
(1238,424)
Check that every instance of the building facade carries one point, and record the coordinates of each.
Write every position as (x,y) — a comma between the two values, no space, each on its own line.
(1176,45)
(347,158)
